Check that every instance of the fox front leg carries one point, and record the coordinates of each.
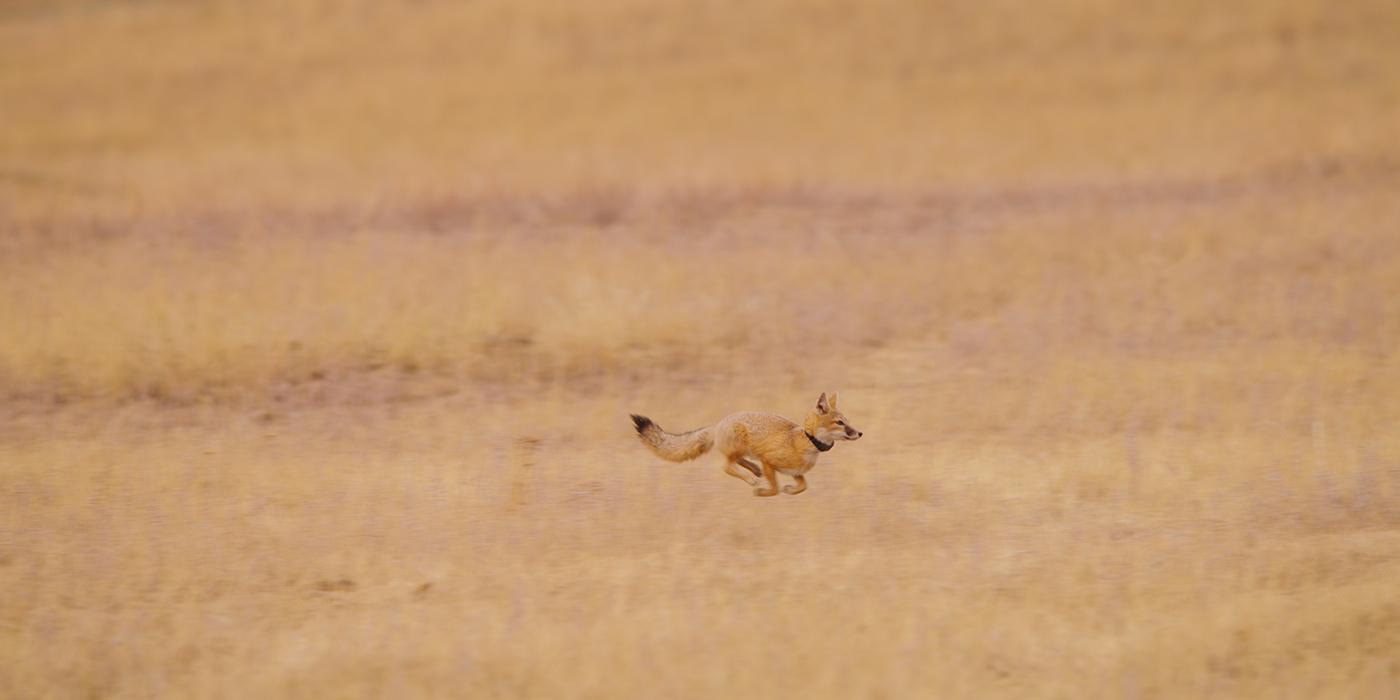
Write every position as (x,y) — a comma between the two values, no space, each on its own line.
(772,478)
(799,485)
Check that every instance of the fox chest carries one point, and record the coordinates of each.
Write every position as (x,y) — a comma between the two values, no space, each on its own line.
(783,454)
(790,463)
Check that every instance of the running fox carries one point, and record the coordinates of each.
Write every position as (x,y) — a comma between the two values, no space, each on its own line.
(778,444)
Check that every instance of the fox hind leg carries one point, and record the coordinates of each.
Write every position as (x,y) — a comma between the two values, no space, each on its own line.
(749,466)
(751,480)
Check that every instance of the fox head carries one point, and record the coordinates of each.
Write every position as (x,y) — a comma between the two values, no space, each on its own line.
(827,425)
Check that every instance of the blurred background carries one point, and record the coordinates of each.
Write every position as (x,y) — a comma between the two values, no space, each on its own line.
(320,321)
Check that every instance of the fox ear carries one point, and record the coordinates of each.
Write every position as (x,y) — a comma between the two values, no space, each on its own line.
(822,405)
(832,401)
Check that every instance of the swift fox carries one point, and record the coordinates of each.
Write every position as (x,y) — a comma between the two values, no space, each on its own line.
(778,444)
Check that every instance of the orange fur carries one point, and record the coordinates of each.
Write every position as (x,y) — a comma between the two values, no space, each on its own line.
(777,444)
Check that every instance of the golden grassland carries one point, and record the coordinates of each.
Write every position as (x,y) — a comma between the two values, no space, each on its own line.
(320,323)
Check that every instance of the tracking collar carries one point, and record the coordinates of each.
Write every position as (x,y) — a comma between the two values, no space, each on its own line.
(821,446)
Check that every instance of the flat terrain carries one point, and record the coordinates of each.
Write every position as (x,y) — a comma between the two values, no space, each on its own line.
(320,324)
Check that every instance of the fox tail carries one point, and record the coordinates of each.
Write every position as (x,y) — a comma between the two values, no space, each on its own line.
(670,446)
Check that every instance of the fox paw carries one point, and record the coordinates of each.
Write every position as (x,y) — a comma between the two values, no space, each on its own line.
(765,492)
(793,490)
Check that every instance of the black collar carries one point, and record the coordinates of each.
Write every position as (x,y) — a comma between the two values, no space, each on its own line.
(821,446)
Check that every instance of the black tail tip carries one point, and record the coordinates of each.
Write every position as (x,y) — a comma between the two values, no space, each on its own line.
(642,422)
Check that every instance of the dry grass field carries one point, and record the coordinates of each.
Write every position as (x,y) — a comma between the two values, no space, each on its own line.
(320,323)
